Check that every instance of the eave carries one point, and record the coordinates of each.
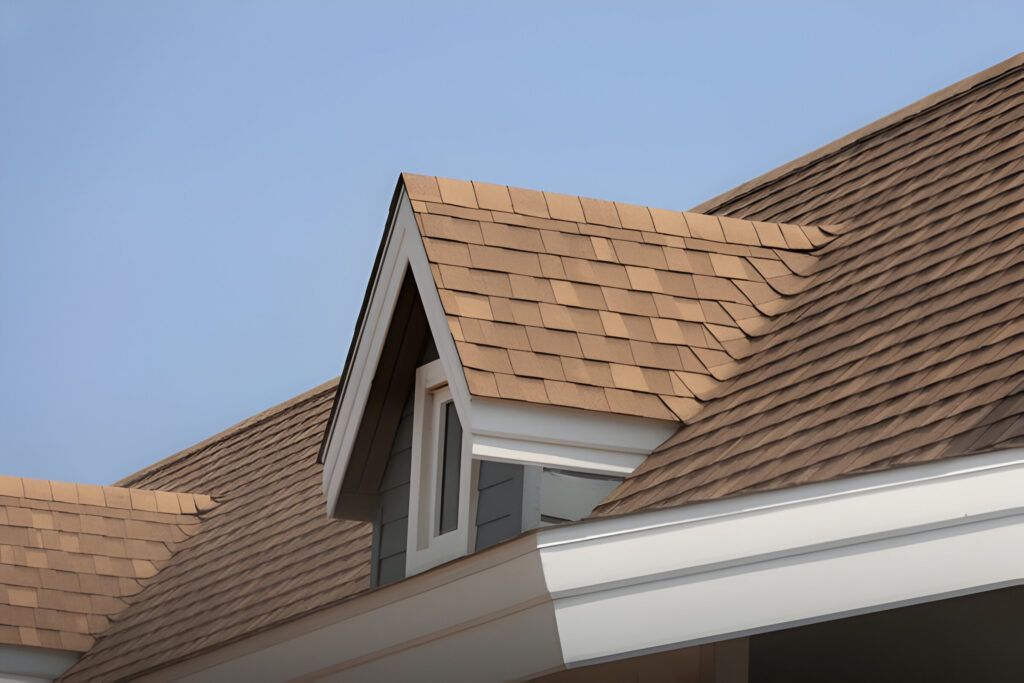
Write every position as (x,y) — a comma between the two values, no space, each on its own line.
(679,577)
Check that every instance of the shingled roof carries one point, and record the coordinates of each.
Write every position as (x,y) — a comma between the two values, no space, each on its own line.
(903,342)
(600,305)
(908,344)
(267,552)
(71,555)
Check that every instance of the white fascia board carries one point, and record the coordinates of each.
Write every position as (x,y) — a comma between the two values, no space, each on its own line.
(620,587)
(766,561)
(403,250)
(553,436)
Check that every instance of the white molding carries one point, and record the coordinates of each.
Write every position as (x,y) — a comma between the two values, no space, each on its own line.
(767,561)
(403,250)
(555,455)
(567,438)
(569,426)
(424,548)
(678,577)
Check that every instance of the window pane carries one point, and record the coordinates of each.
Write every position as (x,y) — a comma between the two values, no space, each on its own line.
(451,465)
(570,496)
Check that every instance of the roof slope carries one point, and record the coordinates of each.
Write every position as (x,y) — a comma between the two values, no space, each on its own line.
(267,552)
(578,302)
(71,554)
(908,346)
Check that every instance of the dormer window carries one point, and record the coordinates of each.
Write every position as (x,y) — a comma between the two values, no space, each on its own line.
(443,435)
(450,465)
(441,468)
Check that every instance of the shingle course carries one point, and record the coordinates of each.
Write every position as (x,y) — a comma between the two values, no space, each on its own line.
(71,551)
(907,344)
(600,278)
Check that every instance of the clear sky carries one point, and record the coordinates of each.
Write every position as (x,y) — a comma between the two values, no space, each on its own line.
(191,193)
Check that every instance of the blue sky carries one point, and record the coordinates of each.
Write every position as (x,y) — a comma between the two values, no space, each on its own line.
(191,193)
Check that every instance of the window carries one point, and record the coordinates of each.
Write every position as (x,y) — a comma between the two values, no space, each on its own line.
(451,465)
(460,501)
(570,496)
(439,528)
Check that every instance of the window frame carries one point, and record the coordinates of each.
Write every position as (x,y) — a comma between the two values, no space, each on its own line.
(426,547)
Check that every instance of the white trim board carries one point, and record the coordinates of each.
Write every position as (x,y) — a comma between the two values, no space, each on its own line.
(403,250)
(678,577)
(569,438)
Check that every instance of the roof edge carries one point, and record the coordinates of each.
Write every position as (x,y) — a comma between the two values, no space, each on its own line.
(360,319)
(913,109)
(247,423)
(28,488)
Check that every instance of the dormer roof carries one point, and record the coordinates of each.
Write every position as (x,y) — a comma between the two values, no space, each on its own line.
(561,300)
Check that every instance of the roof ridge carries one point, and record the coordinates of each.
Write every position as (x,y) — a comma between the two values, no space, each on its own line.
(472,195)
(880,125)
(662,305)
(125,497)
(225,434)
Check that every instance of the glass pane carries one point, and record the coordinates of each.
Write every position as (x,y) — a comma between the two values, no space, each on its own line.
(451,465)
(571,496)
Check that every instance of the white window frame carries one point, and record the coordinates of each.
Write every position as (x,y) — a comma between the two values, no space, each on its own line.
(425,548)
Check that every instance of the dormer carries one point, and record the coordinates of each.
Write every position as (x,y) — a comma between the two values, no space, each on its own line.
(518,353)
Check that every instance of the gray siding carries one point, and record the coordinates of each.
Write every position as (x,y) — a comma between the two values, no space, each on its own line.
(499,507)
(389,532)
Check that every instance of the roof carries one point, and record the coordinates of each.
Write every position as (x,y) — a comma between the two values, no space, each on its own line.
(71,555)
(569,301)
(908,344)
(901,344)
(267,552)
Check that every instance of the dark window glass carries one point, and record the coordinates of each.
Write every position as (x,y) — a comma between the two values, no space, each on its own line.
(451,464)
(569,496)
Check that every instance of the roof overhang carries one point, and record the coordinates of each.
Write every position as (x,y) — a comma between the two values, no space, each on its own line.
(678,577)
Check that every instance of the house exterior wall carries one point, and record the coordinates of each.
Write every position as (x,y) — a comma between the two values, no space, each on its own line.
(499,506)
(390,529)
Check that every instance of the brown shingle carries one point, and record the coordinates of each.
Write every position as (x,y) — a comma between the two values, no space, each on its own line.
(705,227)
(513,237)
(564,207)
(885,358)
(528,202)
(575,278)
(54,577)
(493,197)
(600,212)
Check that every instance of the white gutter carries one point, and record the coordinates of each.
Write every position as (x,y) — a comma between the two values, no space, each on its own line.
(612,588)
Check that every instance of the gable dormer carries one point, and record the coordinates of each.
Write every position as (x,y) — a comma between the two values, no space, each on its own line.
(518,353)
